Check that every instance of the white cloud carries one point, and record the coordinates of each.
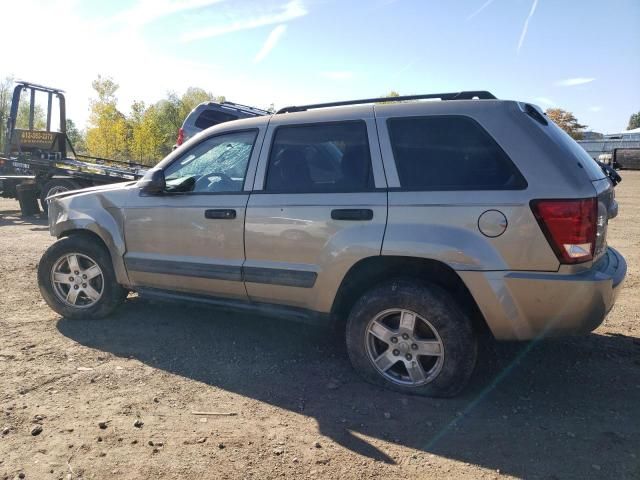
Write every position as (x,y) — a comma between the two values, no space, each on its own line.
(337,75)
(595,108)
(144,71)
(525,28)
(572,82)
(484,5)
(545,101)
(146,11)
(270,42)
(289,11)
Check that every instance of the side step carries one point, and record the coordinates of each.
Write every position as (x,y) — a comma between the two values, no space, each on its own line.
(267,309)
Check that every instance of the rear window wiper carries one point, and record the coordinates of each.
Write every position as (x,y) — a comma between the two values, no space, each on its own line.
(610,172)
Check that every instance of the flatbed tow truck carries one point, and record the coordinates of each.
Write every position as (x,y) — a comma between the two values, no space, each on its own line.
(44,161)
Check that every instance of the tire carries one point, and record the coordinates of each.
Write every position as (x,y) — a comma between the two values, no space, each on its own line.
(442,344)
(56,185)
(106,294)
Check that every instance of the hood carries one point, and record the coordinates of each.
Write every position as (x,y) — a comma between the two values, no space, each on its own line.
(99,188)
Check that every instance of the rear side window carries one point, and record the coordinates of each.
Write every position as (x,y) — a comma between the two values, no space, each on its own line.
(450,153)
(208,118)
(328,157)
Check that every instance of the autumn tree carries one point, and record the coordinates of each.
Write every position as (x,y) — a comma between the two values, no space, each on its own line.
(147,133)
(634,121)
(567,122)
(107,131)
(147,143)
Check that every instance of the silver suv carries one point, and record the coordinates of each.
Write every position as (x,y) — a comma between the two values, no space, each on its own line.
(421,223)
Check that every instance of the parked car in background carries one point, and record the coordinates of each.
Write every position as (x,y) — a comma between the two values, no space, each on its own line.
(208,114)
(419,223)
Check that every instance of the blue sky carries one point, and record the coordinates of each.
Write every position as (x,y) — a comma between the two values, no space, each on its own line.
(583,56)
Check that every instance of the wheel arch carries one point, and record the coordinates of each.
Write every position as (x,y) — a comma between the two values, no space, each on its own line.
(371,271)
(107,243)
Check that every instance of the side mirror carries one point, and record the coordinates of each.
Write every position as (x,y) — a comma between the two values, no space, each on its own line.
(153,183)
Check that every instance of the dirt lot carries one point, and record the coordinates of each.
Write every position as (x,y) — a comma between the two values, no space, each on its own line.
(562,408)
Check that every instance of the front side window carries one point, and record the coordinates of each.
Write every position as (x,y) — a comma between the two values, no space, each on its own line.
(217,164)
(330,157)
(450,153)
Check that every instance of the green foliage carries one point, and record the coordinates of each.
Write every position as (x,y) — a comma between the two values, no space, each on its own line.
(6,89)
(147,133)
(39,115)
(391,94)
(75,136)
(634,121)
(567,122)
(107,131)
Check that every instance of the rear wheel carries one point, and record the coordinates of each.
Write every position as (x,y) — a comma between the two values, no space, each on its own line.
(412,337)
(77,280)
(56,185)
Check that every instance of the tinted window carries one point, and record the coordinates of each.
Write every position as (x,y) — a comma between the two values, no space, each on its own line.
(217,164)
(330,157)
(208,118)
(450,153)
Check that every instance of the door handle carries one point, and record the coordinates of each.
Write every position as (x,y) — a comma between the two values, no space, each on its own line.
(352,214)
(220,214)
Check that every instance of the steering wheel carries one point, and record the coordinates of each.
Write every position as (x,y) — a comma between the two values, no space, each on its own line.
(203,183)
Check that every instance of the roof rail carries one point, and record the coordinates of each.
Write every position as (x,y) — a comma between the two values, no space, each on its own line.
(470,95)
(246,107)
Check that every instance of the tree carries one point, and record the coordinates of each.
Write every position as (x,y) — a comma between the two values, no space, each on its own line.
(75,136)
(391,94)
(567,122)
(6,90)
(634,121)
(147,133)
(107,130)
(39,117)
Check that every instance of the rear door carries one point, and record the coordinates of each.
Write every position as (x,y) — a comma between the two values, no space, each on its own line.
(319,206)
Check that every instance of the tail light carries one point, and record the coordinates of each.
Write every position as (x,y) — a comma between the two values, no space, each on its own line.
(570,227)
(180,139)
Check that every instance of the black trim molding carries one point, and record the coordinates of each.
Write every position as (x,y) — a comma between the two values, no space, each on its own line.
(271,276)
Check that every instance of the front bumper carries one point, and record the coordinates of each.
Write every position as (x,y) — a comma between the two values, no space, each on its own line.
(527,305)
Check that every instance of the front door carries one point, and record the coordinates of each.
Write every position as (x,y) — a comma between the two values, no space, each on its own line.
(190,238)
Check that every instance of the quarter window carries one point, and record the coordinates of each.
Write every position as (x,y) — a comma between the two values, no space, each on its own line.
(208,118)
(450,153)
(330,157)
(216,164)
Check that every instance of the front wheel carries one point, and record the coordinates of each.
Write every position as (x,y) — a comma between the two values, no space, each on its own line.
(76,278)
(412,337)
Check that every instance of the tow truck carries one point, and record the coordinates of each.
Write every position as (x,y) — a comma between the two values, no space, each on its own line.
(44,161)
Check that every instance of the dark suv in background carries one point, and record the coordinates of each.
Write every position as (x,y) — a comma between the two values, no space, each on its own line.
(208,114)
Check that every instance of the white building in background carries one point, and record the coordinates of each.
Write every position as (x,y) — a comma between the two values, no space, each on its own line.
(602,149)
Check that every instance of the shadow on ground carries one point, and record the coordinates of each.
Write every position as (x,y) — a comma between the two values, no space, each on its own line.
(555,409)
(13,217)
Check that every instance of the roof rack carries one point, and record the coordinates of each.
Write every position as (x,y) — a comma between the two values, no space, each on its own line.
(470,95)
(240,106)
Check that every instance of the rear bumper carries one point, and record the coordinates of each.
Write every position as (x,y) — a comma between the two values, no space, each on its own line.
(527,305)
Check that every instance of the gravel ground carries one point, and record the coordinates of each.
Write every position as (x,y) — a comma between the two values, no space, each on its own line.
(115,398)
